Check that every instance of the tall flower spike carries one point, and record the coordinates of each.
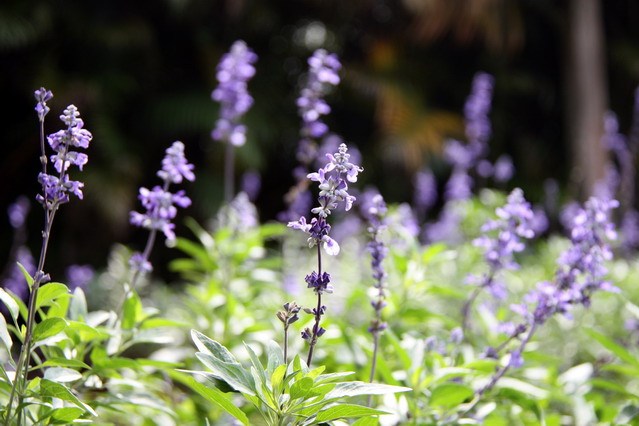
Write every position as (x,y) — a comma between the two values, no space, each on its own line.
(161,205)
(332,179)
(56,189)
(233,73)
(323,73)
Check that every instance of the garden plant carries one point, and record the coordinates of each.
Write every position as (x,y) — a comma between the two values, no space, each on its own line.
(462,308)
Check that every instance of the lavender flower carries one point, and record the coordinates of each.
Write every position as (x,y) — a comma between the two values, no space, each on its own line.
(478,104)
(56,189)
(18,212)
(459,186)
(514,223)
(502,238)
(425,194)
(233,73)
(161,209)
(333,181)
(251,184)
(374,212)
(323,73)
(14,281)
(160,204)
(79,276)
(43,96)
(503,169)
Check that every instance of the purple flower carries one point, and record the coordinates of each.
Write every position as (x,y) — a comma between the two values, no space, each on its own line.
(581,269)
(459,186)
(503,169)
(323,73)
(18,212)
(42,95)
(477,108)
(139,263)
(15,281)
(233,73)
(160,206)
(79,276)
(514,224)
(319,283)
(159,202)
(425,195)
(251,184)
(56,189)
(174,165)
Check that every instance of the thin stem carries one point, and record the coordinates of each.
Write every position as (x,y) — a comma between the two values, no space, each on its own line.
(471,300)
(22,368)
(229,172)
(502,370)
(286,344)
(318,311)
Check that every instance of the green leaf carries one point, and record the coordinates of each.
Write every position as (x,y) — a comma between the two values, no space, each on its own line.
(61,375)
(204,344)
(621,352)
(278,376)
(348,389)
(300,388)
(10,303)
(275,356)
(450,394)
(65,415)
(366,421)
(628,412)
(212,394)
(259,368)
(343,411)
(4,334)
(132,311)
(27,275)
(57,390)
(78,308)
(232,373)
(47,328)
(49,293)
(63,362)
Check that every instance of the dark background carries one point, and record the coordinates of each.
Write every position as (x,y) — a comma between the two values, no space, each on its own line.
(141,74)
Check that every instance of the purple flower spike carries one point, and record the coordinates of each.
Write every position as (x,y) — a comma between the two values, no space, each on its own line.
(174,165)
(56,189)
(233,73)
(42,95)
(323,73)
(159,202)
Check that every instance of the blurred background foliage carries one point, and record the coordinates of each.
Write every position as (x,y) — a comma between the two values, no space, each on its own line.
(142,72)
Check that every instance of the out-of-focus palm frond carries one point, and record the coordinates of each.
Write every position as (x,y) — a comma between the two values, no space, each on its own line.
(405,124)
(498,22)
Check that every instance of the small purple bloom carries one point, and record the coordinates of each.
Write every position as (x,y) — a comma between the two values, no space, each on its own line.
(319,283)
(15,281)
(477,107)
(251,184)
(139,263)
(459,186)
(503,169)
(159,202)
(43,96)
(175,167)
(18,212)
(425,194)
(79,276)
(56,189)
(323,73)
(233,73)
